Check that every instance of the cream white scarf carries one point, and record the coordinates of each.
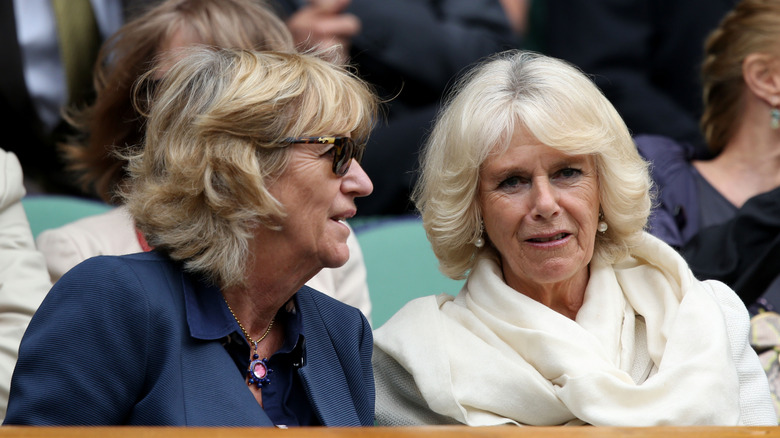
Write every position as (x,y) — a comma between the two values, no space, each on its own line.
(493,356)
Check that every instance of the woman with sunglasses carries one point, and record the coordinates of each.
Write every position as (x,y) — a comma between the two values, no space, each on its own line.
(248,170)
(112,125)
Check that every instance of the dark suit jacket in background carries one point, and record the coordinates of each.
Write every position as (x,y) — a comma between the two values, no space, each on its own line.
(112,344)
(22,131)
(411,51)
(645,55)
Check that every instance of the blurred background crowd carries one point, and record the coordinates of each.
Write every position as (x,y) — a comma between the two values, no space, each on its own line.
(697,83)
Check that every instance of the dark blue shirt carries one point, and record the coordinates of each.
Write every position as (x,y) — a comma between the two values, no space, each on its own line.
(284,399)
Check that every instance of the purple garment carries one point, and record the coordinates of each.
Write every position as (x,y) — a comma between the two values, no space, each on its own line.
(675,214)
(743,251)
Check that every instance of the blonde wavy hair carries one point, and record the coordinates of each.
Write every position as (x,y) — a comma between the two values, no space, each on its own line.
(753,26)
(215,139)
(563,109)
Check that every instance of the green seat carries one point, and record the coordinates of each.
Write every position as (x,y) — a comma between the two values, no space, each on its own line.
(52,211)
(400,263)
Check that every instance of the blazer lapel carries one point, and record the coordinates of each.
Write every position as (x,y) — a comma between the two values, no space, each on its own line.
(201,384)
(324,378)
(208,373)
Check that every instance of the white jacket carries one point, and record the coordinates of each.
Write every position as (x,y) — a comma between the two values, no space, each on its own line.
(24,281)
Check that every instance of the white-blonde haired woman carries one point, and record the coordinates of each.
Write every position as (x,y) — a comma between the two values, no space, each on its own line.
(532,190)
(249,167)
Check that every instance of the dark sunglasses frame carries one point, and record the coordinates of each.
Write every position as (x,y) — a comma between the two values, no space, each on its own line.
(345,149)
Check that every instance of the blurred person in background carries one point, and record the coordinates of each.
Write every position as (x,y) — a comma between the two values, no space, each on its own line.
(410,50)
(741,124)
(49,47)
(23,278)
(643,54)
(722,213)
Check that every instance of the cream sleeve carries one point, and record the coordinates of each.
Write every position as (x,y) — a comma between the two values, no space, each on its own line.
(24,281)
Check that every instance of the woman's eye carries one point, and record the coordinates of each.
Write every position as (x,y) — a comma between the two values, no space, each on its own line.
(509,183)
(569,172)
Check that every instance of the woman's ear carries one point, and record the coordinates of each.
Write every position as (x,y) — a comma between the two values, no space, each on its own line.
(761,73)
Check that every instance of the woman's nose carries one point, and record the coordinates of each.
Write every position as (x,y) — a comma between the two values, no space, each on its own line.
(545,199)
(356,181)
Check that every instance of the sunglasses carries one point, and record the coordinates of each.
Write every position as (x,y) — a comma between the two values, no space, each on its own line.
(344,150)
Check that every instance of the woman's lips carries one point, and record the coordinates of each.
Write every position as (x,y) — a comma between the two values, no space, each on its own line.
(343,217)
(546,239)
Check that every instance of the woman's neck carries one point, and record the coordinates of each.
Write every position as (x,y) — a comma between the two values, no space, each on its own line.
(254,307)
(565,297)
(748,165)
(274,274)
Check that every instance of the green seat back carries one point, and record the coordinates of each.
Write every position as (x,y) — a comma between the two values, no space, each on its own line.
(52,211)
(401,265)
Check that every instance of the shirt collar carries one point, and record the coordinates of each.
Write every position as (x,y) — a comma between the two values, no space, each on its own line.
(207,314)
(209,318)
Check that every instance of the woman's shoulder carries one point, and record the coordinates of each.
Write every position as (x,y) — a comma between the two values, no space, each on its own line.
(675,216)
(732,306)
(420,316)
(757,407)
(657,255)
(140,292)
(11,186)
(658,148)
(331,309)
(109,233)
(421,307)
(669,159)
(125,277)
(121,292)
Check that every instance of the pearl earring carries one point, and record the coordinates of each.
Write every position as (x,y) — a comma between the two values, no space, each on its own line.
(480,242)
(602,227)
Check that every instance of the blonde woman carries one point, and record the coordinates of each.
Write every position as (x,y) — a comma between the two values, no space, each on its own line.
(249,167)
(112,126)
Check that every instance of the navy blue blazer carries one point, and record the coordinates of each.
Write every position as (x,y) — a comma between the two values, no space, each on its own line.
(111,345)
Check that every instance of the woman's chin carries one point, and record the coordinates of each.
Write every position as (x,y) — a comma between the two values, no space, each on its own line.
(337,256)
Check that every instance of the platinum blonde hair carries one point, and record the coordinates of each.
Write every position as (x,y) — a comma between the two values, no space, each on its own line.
(214,141)
(557,104)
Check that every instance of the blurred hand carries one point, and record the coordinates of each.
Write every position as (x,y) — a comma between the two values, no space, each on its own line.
(517,14)
(323,24)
